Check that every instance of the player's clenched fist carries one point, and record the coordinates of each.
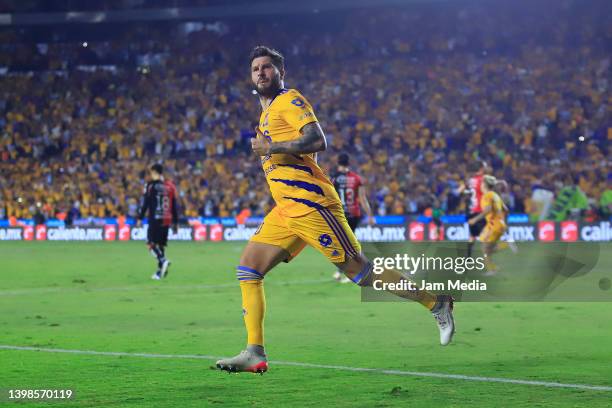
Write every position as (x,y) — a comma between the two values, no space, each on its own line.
(260,145)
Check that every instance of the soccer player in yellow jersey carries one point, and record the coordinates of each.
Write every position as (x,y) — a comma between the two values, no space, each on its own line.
(494,211)
(308,211)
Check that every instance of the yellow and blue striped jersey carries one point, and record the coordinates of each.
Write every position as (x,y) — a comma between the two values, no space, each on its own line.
(296,182)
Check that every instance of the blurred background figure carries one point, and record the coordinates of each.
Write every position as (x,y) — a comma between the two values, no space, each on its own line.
(353,194)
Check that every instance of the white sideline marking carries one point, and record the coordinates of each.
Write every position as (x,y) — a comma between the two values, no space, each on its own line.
(154,286)
(327,367)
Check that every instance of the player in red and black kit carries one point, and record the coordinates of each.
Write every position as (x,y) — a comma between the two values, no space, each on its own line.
(352,192)
(159,202)
(474,193)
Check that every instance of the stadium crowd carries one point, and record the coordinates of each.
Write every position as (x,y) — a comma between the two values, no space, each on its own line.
(413,95)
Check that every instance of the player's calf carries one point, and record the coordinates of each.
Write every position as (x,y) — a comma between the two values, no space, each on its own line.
(360,271)
(157,251)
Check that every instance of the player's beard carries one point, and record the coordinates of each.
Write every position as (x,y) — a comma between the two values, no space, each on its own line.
(270,89)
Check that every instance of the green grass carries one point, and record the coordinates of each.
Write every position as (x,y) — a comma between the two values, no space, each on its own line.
(98,296)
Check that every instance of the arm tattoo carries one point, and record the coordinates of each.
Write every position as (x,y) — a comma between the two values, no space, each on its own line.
(312,140)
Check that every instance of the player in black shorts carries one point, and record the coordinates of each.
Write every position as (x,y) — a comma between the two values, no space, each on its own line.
(159,205)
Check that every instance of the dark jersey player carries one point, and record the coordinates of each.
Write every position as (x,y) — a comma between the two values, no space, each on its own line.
(474,193)
(159,206)
(352,192)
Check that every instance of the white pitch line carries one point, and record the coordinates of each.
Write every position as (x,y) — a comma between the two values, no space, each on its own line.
(327,367)
(37,291)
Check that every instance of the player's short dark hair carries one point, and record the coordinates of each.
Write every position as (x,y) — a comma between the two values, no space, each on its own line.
(475,166)
(343,159)
(262,51)
(158,168)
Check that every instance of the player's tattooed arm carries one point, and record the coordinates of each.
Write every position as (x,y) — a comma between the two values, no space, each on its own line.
(312,140)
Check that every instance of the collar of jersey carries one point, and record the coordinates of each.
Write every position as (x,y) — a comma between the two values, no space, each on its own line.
(280,92)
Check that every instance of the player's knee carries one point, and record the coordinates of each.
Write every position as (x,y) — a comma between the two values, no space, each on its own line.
(250,259)
(358,269)
(364,277)
(245,273)
(253,264)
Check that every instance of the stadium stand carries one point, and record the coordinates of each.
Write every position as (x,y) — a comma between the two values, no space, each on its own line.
(81,119)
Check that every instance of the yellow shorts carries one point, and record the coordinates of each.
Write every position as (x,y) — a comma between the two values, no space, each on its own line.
(324,229)
(493,231)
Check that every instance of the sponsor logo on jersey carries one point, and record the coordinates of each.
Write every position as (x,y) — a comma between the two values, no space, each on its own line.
(325,240)
(306,115)
(299,102)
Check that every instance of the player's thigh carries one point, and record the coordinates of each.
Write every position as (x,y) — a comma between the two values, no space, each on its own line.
(163,236)
(272,243)
(157,234)
(326,229)
(151,233)
(497,232)
(492,233)
(486,234)
(262,257)
(477,228)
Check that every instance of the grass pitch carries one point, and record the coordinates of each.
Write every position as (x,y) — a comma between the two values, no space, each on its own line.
(99,297)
